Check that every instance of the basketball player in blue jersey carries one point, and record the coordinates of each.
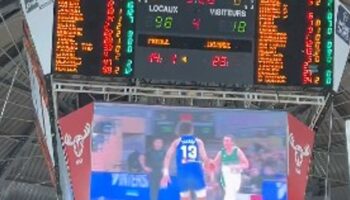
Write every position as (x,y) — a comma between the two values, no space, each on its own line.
(189,152)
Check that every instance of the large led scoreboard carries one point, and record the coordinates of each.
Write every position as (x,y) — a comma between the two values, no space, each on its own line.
(198,40)
(245,42)
(94,37)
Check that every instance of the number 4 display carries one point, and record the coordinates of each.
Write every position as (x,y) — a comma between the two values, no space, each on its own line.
(196,22)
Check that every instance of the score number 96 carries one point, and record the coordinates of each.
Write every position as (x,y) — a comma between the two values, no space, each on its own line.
(163,22)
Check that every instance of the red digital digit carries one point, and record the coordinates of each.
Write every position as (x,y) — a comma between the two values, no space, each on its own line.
(223,61)
(107,66)
(154,57)
(107,70)
(201,2)
(174,59)
(196,22)
(210,2)
(219,61)
(215,61)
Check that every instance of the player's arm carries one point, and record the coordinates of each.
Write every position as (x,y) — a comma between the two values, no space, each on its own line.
(166,165)
(217,163)
(169,154)
(244,163)
(202,151)
(217,159)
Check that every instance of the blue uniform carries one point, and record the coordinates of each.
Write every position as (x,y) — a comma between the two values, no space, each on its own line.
(189,168)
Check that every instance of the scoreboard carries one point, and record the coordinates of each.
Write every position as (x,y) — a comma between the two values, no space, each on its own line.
(245,42)
(196,40)
(94,38)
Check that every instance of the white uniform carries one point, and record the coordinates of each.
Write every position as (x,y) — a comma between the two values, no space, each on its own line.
(231,178)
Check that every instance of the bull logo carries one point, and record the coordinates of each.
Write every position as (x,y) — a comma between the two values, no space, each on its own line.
(78,143)
(299,153)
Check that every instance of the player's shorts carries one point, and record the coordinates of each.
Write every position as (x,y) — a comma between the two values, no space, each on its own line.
(191,178)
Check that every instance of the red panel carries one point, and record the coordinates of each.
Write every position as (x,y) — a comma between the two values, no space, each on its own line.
(76,136)
(301,140)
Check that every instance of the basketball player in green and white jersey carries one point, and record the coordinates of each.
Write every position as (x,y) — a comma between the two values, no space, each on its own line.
(233,162)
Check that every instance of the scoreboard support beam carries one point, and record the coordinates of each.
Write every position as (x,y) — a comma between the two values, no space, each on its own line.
(319,111)
(140,91)
(137,94)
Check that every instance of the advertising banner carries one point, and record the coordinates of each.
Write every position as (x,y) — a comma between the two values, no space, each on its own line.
(75,131)
(301,140)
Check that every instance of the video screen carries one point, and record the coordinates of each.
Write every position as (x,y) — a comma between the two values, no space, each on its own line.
(164,153)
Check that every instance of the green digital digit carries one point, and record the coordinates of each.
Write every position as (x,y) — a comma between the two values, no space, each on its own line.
(242,27)
(165,23)
(234,26)
(168,22)
(158,21)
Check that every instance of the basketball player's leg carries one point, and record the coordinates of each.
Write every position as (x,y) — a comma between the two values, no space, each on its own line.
(185,195)
(232,185)
(201,194)
(229,195)
(229,182)
(237,177)
(184,187)
(200,187)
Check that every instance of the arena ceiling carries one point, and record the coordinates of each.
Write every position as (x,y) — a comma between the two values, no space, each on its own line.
(23,172)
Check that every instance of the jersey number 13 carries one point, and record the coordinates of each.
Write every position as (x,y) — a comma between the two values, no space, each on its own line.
(189,152)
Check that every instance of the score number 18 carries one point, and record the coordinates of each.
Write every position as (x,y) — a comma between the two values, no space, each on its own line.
(239,26)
